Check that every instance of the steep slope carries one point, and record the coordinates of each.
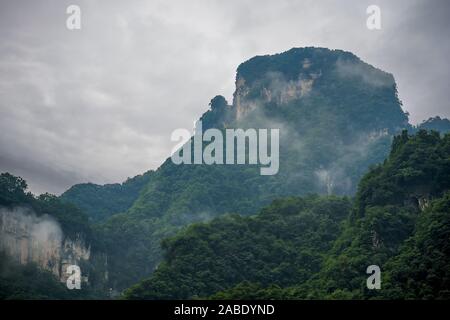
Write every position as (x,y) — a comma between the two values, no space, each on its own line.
(436,123)
(320,247)
(283,245)
(388,219)
(102,201)
(336,116)
(335,113)
(41,237)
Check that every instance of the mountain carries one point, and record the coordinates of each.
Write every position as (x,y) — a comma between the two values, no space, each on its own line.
(227,231)
(319,247)
(401,216)
(284,244)
(332,108)
(39,239)
(336,114)
(100,202)
(435,123)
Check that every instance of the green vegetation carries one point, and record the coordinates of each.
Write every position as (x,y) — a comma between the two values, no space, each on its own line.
(72,220)
(329,137)
(101,202)
(31,282)
(319,247)
(437,124)
(224,234)
(283,245)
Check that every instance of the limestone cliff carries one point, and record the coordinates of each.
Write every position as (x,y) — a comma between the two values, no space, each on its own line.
(27,238)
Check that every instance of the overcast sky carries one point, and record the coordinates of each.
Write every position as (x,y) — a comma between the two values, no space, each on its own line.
(99,104)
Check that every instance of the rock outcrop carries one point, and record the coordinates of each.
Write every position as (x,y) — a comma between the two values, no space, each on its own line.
(28,238)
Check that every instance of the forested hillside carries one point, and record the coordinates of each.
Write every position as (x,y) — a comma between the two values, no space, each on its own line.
(354,188)
(336,116)
(38,237)
(320,247)
(284,244)
(102,201)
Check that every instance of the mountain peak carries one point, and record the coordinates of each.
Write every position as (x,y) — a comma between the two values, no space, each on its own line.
(336,116)
(299,73)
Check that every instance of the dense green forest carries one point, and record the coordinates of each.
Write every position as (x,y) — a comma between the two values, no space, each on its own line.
(30,281)
(336,115)
(353,189)
(319,247)
(284,244)
(13,192)
(310,247)
(102,201)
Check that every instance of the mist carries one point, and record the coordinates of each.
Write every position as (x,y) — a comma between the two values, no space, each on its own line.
(99,104)
(28,237)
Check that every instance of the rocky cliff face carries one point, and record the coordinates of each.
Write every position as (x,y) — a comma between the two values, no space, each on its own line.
(336,115)
(39,239)
(273,87)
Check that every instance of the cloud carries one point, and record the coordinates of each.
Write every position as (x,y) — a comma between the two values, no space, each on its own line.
(28,237)
(368,74)
(99,104)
